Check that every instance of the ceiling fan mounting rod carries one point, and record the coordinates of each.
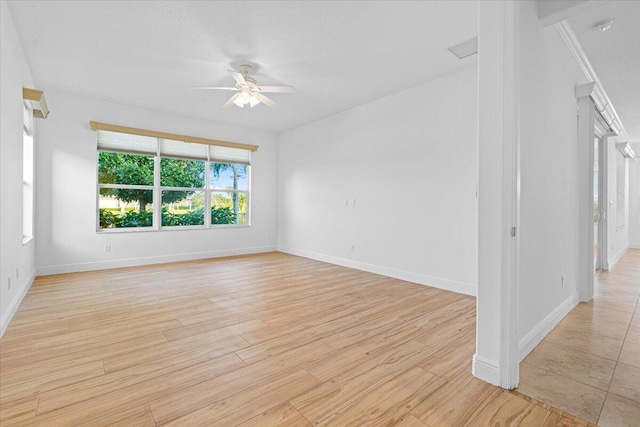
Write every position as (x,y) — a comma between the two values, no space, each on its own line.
(246,69)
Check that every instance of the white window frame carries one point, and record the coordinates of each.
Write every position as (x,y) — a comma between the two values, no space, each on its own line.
(157,189)
(28,192)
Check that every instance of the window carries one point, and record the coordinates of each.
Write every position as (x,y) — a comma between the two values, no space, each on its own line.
(27,175)
(620,190)
(230,190)
(148,183)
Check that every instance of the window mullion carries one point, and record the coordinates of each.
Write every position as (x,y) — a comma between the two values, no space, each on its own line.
(207,194)
(190,189)
(127,186)
(157,193)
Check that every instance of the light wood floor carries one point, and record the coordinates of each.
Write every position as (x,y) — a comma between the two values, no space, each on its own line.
(589,364)
(259,340)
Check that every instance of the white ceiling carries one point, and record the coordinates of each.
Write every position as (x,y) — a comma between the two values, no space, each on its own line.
(338,54)
(615,55)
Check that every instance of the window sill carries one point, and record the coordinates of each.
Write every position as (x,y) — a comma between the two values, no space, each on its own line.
(26,240)
(169,229)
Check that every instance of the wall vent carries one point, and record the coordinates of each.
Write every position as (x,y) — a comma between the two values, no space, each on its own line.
(465,49)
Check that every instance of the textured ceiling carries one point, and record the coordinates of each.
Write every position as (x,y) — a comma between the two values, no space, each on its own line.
(147,53)
(615,55)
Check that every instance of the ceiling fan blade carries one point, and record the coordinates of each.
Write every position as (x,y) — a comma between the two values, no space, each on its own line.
(238,77)
(276,89)
(214,88)
(269,102)
(229,103)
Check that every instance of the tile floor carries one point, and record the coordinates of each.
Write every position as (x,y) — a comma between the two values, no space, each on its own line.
(589,365)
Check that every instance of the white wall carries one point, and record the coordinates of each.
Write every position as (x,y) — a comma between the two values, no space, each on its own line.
(634,201)
(549,170)
(66,178)
(409,162)
(13,254)
(618,239)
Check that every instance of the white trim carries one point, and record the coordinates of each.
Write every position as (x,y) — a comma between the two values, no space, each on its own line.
(584,189)
(133,262)
(421,279)
(537,334)
(485,369)
(599,96)
(508,364)
(617,257)
(634,246)
(13,307)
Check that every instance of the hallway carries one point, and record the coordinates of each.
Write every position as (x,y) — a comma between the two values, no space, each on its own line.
(589,365)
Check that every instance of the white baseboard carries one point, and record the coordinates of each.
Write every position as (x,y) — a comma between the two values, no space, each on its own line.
(634,246)
(485,369)
(435,282)
(132,262)
(13,307)
(617,257)
(537,334)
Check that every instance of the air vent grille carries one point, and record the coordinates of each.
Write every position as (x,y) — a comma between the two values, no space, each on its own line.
(465,49)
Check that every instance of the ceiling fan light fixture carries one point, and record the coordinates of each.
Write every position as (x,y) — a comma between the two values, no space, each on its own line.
(239,102)
(253,101)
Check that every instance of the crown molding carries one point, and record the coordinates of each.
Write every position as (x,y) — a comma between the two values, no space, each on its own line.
(599,96)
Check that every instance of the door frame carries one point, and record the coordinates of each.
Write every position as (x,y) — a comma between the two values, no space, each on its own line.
(602,133)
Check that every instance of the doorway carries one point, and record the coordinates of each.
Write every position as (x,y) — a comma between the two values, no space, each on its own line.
(599,205)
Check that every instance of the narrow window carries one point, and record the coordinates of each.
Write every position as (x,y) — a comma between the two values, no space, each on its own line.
(27,175)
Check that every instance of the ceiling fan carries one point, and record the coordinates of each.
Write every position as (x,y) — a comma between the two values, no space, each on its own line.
(248,91)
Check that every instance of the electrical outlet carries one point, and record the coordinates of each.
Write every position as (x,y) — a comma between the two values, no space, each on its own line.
(563,280)
(353,248)
(107,248)
(8,283)
(353,203)
(346,202)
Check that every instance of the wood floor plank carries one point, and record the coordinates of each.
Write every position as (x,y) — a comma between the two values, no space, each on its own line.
(283,415)
(411,421)
(61,360)
(213,342)
(122,379)
(181,403)
(459,400)
(322,401)
(508,409)
(243,406)
(14,386)
(134,395)
(140,416)
(388,403)
(448,361)
(222,330)
(358,359)
(15,412)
